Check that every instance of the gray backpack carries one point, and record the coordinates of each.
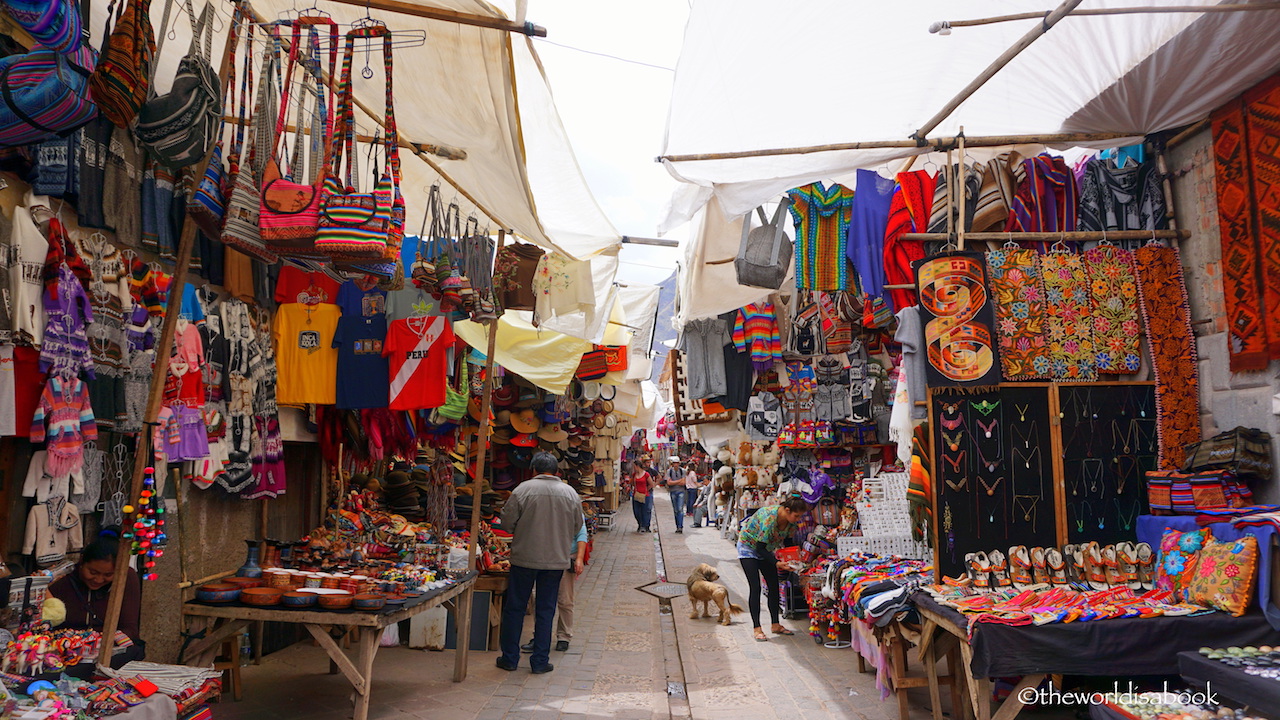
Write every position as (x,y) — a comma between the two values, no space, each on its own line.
(764,257)
(180,126)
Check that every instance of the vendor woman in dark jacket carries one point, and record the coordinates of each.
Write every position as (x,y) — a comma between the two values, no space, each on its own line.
(85,591)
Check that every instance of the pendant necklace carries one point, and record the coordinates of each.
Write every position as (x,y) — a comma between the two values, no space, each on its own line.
(1027,437)
(950,408)
(1080,510)
(1126,524)
(991,514)
(1027,505)
(989,429)
(986,407)
(1117,438)
(953,441)
(1122,472)
(1143,403)
(951,424)
(989,463)
(1027,457)
(949,528)
(956,463)
(1022,411)
(957,486)
(991,489)
(1091,471)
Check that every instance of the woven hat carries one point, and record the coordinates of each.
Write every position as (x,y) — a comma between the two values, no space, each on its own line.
(505,396)
(521,457)
(525,421)
(525,440)
(502,417)
(553,433)
(503,435)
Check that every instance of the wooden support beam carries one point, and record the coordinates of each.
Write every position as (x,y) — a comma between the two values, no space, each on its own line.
(338,657)
(446,152)
(142,458)
(1077,235)
(938,143)
(1156,9)
(656,242)
(461,18)
(463,616)
(1005,58)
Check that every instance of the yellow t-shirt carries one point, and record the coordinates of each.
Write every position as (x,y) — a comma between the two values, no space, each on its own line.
(306,360)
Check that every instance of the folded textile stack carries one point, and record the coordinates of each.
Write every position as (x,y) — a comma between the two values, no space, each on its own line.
(1058,605)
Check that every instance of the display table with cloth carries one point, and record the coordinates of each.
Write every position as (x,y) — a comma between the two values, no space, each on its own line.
(1151,529)
(209,625)
(1261,694)
(1121,647)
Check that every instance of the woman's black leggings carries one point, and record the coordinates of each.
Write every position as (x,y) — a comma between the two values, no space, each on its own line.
(754,569)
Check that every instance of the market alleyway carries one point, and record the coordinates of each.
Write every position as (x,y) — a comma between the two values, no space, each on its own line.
(616,667)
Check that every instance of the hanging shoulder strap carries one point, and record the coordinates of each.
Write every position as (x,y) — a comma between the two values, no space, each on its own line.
(778,221)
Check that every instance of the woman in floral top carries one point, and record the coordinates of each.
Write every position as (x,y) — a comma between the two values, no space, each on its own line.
(763,533)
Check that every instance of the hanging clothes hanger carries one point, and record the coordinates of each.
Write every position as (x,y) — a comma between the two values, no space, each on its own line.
(1010,244)
(1060,245)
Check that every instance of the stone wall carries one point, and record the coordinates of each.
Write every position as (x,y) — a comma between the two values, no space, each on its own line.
(1227,399)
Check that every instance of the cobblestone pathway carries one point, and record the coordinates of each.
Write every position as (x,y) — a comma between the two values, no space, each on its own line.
(615,667)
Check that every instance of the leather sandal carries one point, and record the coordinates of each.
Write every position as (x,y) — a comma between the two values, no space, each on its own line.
(1146,566)
(982,570)
(1127,556)
(1038,567)
(1020,564)
(999,569)
(1074,572)
(1057,567)
(1093,567)
(971,568)
(1111,567)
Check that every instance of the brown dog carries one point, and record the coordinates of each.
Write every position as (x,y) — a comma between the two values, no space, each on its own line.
(703,589)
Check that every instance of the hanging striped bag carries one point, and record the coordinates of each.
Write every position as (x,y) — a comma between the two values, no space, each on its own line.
(240,226)
(353,224)
(290,207)
(120,81)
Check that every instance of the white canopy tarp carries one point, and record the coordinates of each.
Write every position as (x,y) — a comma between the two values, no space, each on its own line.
(478,89)
(757,75)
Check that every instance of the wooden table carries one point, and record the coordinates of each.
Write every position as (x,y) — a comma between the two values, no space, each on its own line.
(219,622)
(939,636)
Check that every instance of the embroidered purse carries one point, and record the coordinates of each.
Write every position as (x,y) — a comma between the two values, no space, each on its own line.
(354,224)
(289,210)
(593,366)
(120,82)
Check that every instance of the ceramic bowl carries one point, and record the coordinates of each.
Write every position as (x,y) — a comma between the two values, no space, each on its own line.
(261,596)
(298,599)
(218,593)
(336,601)
(369,601)
(243,582)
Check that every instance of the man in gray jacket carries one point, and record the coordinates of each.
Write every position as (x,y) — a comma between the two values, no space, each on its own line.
(543,516)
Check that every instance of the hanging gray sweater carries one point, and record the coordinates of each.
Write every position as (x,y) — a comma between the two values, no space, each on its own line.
(911,336)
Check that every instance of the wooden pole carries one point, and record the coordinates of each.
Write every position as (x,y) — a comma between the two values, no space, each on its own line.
(1008,55)
(1051,236)
(477,485)
(961,193)
(1186,134)
(936,27)
(181,492)
(407,8)
(921,146)
(951,193)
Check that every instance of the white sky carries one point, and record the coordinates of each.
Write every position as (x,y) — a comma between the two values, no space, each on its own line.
(615,112)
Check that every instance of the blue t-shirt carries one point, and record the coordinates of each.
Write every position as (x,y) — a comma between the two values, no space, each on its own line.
(191,309)
(363,373)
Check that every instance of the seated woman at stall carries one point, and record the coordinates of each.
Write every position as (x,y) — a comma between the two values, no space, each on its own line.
(85,591)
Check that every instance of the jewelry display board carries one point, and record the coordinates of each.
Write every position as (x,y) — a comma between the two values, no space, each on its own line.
(1108,444)
(1039,464)
(993,472)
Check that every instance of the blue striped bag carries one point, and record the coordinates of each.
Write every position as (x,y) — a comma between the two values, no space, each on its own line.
(45,95)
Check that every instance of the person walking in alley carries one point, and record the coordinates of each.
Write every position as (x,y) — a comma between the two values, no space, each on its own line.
(692,486)
(676,489)
(641,496)
(543,516)
(763,533)
(564,599)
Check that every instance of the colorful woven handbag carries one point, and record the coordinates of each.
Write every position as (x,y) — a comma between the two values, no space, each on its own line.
(240,227)
(44,94)
(353,224)
(54,25)
(123,75)
(592,366)
(290,209)
(178,127)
